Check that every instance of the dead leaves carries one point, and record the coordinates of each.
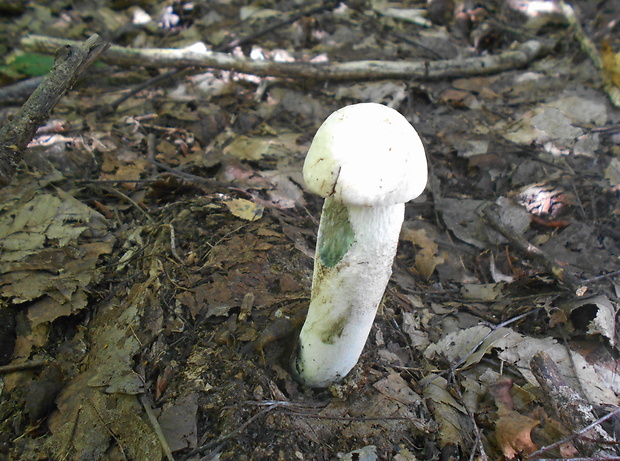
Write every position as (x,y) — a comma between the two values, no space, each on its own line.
(52,244)
(512,429)
(427,257)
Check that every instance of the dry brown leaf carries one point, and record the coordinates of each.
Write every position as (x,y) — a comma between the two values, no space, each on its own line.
(611,63)
(426,258)
(513,433)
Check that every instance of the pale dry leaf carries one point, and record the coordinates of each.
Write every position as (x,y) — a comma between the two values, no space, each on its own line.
(612,173)
(604,322)
(518,350)
(447,411)
(456,345)
(396,388)
(482,291)
(256,148)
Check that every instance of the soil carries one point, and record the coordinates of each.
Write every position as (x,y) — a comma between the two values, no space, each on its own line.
(158,253)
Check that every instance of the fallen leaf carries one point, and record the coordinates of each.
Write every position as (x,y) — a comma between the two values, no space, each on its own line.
(513,434)
(448,412)
(611,63)
(426,257)
(395,387)
(245,209)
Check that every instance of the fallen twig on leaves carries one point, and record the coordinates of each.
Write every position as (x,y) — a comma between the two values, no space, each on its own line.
(19,92)
(574,412)
(156,427)
(586,45)
(355,70)
(71,61)
(549,263)
(12,367)
(178,74)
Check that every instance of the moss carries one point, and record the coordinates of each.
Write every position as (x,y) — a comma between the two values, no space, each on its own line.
(335,234)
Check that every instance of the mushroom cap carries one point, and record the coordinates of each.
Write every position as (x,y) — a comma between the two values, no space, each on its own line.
(368,155)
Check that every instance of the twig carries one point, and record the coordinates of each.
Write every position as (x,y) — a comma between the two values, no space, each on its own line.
(356,70)
(156,427)
(230,435)
(173,245)
(19,92)
(178,74)
(493,328)
(560,273)
(72,60)
(289,18)
(612,458)
(570,407)
(107,427)
(586,45)
(602,276)
(187,176)
(131,201)
(23,366)
(478,445)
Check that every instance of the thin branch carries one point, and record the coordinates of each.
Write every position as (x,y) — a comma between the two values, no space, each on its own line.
(156,427)
(72,59)
(570,407)
(356,70)
(590,48)
(12,367)
(561,273)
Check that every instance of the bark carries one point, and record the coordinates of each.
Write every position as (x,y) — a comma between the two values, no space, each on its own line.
(570,408)
(71,61)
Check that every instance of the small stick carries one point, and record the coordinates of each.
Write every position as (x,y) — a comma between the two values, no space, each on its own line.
(325,5)
(156,427)
(23,366)
(72,59)
(590,48)
(178,74)
(131,201)
(355,70)
(19,92)
(225,438)
(173,245)
(549,263)
(571,409)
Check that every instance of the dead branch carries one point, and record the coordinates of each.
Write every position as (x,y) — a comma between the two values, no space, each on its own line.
(571,409)
(285,19)
(590,48)
(71,61)
(355,70)
(19,92)
(13,367)
(557,270)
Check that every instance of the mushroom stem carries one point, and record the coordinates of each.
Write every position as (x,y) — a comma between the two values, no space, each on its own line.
(355,249)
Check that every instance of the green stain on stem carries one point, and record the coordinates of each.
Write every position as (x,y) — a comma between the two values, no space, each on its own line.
(335,233)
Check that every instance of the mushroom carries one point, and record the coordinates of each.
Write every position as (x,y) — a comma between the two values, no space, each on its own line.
(367,161)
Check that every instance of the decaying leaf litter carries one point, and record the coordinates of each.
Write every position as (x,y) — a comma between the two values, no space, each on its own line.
(157,249)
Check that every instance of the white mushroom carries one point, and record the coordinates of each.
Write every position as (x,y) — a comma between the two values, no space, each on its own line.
(367,161)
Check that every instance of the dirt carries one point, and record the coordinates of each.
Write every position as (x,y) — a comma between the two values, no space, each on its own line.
(158,256)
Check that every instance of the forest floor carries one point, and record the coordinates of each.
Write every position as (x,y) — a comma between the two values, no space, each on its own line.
(156,251)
